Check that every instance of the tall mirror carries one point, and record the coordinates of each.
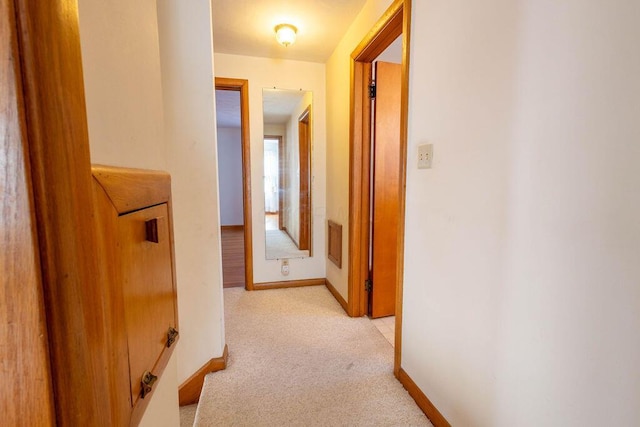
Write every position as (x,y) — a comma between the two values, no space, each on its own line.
(287,117)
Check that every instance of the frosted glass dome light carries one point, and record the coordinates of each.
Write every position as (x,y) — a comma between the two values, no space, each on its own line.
(286,34)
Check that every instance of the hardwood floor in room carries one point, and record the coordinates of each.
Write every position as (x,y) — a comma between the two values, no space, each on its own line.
(233,256)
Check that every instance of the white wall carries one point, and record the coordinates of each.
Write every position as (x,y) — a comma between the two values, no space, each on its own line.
(393,53)
(186,51)
(163,407)
(274,130)
(142,116)
(230,175)
(521,296)
(292,144)
(283,74)
(123,92)
(338,74)
(123,89)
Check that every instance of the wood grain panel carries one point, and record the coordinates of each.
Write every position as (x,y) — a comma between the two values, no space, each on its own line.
(359,197)
(26,394)
(117,259)
(304,153)
(118,355)
(73,283)
(148,291)
(386,189)
(132,189)
(334,243)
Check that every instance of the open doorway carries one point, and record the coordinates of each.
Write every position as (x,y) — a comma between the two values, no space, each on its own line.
(232,111)
(362,204)
(274,178)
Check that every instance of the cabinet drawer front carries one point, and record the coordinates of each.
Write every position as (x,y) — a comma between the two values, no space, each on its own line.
(147,289)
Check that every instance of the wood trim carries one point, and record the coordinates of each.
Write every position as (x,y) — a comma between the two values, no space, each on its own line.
(404,125)
(359,190)
(119,191)
(26,395)
(336,295)
(242,85)
(334,243)
(133,189)
(189,391)
(429,409)
(304,153)
(106,222)
(383,33)
(288,284)
(56,123)
(232,227)
(395,21)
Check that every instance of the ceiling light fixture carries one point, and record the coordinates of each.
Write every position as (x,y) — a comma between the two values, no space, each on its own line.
(286,34)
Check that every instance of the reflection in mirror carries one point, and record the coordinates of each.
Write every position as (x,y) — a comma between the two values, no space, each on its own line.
(287,173)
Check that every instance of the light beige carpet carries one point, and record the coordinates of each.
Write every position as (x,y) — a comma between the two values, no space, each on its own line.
(187,415)
(279,245)
(296,359)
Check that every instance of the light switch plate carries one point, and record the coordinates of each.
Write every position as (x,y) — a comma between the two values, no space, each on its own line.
(425,156)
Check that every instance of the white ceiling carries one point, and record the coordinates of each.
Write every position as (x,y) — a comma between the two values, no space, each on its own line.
(246,27)
(279,104)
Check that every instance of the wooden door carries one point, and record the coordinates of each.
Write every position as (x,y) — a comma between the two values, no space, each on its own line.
(304,134)
(385,189)
(26,393)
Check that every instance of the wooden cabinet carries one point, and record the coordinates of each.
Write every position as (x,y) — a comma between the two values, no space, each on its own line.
(133,209)
(64,340)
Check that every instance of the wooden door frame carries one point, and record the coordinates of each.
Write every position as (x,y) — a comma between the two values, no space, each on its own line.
(54,127)
(242,86)
(282,165)
(304,235)
(396,21)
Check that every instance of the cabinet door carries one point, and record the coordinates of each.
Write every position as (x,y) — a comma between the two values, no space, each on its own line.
(148,288)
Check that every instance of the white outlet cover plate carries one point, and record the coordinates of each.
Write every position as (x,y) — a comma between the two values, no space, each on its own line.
(425,156)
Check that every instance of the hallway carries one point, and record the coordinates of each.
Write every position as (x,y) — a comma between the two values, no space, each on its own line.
(295,358)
